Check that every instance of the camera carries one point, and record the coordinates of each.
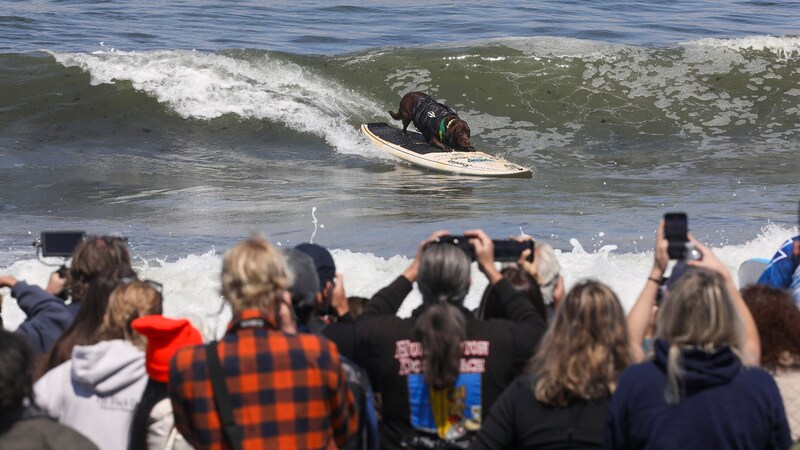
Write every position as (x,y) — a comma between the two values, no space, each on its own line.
(504,250)
(60,243)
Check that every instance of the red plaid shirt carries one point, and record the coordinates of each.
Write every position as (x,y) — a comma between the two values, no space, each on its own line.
(287,391)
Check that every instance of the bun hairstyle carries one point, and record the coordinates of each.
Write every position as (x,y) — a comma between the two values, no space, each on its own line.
(444,282)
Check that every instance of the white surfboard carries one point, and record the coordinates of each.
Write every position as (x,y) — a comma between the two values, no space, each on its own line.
(413,149)
(750,271)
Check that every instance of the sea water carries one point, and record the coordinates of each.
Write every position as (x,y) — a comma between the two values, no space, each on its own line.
(189,126)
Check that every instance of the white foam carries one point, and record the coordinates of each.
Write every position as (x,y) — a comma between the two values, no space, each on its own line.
(191,284)
(784,47)
(206,85)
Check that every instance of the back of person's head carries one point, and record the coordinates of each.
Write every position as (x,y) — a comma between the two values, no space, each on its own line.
(165,337)
(126,303)
(547,270)
(253,275)
(522,281)
(696,313)
(777,319)
(96,255)
(323,262)
(356,305)
(16,377)
(443,274)
(584,349)
(83,329)
(303,282)
(443,281)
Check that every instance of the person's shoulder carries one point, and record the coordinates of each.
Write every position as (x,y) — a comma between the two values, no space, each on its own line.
(44,432)
(185,356)
(635,373)
(756,376)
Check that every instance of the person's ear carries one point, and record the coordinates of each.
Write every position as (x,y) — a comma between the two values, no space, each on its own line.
(558,292)
(318,299)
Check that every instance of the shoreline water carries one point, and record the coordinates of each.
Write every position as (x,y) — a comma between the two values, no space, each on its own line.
(187,139)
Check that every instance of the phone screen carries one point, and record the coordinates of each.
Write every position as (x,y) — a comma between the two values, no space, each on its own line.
(676,230)
(60,243)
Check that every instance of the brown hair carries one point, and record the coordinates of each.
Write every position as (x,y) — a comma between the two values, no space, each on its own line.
(83,330)
(253,275)
(489,308)
(777,319)
(584,349)
(106,255)
(126,303)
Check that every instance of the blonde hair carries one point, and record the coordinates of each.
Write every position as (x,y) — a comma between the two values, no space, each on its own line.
(126,303)
(697,313)
(584,349)
(253,275)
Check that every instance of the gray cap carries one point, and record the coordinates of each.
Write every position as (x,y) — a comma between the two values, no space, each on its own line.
(303,281)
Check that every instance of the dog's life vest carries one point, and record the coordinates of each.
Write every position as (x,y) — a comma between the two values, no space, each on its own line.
(430,114)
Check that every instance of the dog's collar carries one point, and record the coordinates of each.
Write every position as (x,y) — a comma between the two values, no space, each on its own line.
(443,128)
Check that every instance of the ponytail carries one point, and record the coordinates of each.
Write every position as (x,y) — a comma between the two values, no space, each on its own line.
(441,329)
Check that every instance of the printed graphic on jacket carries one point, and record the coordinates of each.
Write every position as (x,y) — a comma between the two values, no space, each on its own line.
(449,413)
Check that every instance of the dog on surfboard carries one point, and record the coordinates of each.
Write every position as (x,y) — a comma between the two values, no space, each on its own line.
(439,124)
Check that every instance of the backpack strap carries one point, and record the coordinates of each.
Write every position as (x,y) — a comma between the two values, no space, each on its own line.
(221,397)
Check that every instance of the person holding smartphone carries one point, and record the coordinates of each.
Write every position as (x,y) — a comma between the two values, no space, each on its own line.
(439,371)
(46,317)
(702,387)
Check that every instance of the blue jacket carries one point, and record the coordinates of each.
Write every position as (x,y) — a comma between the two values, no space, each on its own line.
(778,273)
(47,317)
(724,405)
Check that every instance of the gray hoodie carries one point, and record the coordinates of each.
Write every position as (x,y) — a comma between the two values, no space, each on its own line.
(96,392)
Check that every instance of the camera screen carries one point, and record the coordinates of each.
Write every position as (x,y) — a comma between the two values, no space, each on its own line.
(60,243)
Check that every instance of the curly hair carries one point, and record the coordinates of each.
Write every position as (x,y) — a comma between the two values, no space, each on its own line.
(777,319)
(584,349)
(126,303)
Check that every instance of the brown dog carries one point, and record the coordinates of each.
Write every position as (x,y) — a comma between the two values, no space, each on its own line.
(439,125)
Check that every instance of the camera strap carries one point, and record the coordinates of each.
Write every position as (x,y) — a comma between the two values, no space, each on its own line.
(221,397)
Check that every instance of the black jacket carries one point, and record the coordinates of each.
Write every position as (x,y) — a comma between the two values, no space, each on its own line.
(428,115)
(492,356)
(517,420)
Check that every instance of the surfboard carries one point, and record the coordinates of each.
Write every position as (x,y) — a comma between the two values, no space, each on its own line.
(413,149)
(750,271)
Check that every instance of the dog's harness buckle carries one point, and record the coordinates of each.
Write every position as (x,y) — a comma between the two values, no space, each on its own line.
(443,128)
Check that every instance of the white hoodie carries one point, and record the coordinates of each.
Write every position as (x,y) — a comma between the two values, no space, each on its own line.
(96,392)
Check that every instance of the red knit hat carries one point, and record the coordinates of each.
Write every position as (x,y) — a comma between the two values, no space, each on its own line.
(164,337)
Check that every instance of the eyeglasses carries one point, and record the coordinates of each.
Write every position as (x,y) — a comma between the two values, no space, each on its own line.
(158,287)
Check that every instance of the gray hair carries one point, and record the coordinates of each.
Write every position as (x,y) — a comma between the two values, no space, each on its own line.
(443,274)
(548,271)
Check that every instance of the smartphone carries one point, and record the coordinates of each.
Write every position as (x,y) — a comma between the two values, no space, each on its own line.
(60,243)
(676,232)
(504,250)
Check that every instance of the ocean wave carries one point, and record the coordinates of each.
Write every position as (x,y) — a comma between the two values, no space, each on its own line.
(191,283)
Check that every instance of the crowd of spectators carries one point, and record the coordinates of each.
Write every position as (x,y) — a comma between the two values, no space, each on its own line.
(695,363)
